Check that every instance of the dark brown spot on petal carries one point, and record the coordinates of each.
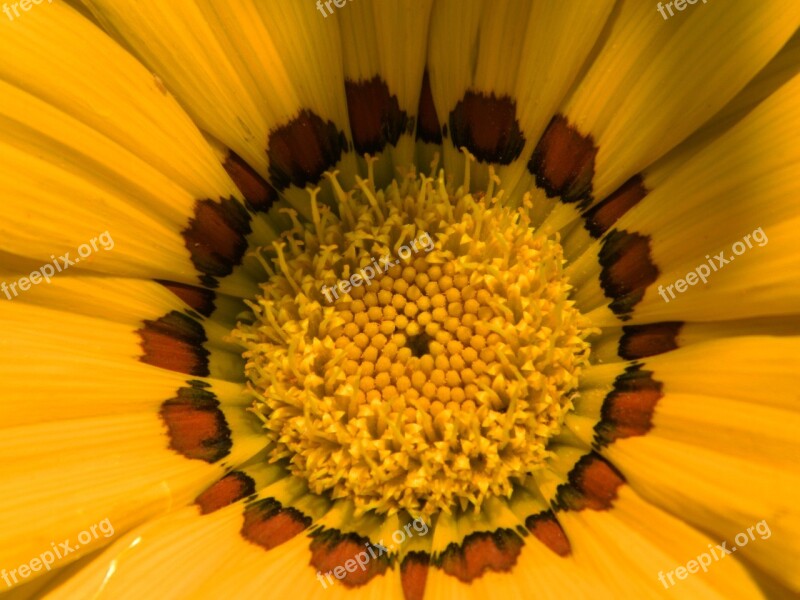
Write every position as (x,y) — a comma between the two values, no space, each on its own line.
(175,342)
(628,409)
(302,150)
(627,270)
(234,486)
(593,485)
(196,426)
(546,528)
(200,299)
(429,129)
(216,236)
(639,341)
(479,552)
(488,127)
(602,216)
(331,551)
(375,116)
(414,574)
(563,162)
(268,524)
(259,195)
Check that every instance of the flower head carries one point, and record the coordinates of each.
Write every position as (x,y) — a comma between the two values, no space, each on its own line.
(425,300)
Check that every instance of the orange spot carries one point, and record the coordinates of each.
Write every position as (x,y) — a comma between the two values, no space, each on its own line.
(593,484)
(488,127)
(563,162)
(546,528)
(429,129)
(627,270)
(197,428)
(375,116)
(303,149)
(414,574)
(258,193)
(200,299)
(269,525)
(331,550)
(628,409)
(234,486)
(639,341)
(481,551)
(175,342)
(215,237)
(602,216)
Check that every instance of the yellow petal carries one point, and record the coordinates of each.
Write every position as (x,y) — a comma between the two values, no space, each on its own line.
(719,493)
(743,184)
(629,545)
(655,82)
(384,45)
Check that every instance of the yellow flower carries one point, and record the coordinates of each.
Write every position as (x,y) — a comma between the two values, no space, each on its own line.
(394,299)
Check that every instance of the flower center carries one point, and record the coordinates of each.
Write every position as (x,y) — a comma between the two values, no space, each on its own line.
(416,351)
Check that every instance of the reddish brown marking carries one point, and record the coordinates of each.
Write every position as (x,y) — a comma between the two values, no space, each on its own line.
(593,485)
(234,486)
(196,426)
(628,409)
(429,129)
(563,162)
(639,341)
(303,149)
(488,127)
(216,236)
(414,575)
(200,299)
(175,342)
(375,116)
(268,524)
(259,195)
(546,528)
(330,549)
(481,551)
(602,216)
(628,269)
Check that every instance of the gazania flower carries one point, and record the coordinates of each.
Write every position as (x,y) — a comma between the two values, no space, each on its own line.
(393,299)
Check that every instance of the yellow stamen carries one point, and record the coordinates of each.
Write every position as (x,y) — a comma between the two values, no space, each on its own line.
(439,383)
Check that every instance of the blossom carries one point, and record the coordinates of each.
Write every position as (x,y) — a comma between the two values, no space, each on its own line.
(187,414)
